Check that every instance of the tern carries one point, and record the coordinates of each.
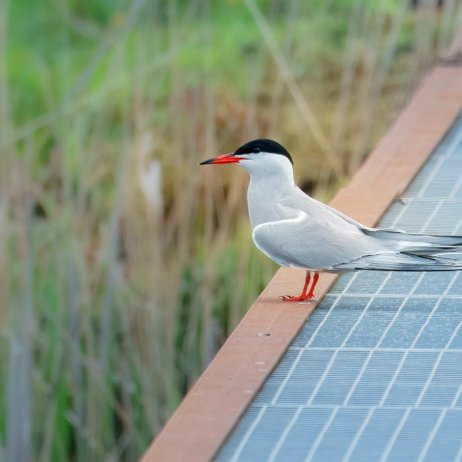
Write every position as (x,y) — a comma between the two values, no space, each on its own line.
(297,231)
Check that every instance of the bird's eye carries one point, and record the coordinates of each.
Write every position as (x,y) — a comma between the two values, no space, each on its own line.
(256,150)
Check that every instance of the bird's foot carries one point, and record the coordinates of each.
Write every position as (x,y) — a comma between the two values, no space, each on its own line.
(304,296)
(296,298)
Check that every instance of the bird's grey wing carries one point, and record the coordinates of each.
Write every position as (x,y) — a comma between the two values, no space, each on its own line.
(344,217)
(313,207)
(416,240)
(399,261)
(407,242)
(355,246)
(307,242)
(425,245)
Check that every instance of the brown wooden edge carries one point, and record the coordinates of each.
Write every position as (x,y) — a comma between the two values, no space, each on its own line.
(213,406)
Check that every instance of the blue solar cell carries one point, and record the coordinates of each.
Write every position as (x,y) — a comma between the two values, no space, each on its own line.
(239,432)
(441,326)
(339,435)
(393,212)
(458,191)
(434,283)
(367,282)
(341,283)
(444,182)
(373,382)
(458,149)
(456,287)
(446,218)
(266,433)
(377,433)
(410,381)
(369,330)
(413,435)
(458,400)
(376,319)
(305,376)
(416,187)
(340,377)
(456,342)
(447,443)
(275,380)
(401,283)
(408,322)
(411,221)
(445,382)
(376,372)
(338,323)
(316,319)
(303,434)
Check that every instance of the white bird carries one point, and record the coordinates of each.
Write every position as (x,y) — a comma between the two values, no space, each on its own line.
(297,231)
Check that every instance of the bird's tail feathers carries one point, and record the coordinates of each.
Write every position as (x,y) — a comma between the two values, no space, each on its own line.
(418,239)
(405,261)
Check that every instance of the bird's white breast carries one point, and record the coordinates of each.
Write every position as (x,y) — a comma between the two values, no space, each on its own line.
(271,179)
(264,203)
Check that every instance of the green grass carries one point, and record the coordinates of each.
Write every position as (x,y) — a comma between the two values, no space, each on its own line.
(114,292)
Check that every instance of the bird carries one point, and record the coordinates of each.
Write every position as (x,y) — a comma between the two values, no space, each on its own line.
(298,231)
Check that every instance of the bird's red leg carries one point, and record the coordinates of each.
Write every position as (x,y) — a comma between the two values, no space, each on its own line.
(315,281)
(303,296)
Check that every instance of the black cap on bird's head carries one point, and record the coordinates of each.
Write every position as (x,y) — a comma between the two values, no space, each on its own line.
(250,149)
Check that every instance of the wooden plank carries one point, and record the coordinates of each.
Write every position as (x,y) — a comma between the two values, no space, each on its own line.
(213,406)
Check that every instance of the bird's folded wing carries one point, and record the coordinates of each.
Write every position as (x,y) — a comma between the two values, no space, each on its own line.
(307,242)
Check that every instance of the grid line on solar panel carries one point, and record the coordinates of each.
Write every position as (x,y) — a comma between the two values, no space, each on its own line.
(283,436)
(319,438)
(407,352)
(259,407)
(246,436)
(431,436)
(376,372)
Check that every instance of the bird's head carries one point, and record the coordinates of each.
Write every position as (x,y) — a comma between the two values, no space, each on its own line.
(258,157)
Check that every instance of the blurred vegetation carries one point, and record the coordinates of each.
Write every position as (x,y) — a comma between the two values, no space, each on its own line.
(123,266)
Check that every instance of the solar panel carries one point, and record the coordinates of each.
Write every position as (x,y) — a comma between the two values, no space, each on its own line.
(376,372)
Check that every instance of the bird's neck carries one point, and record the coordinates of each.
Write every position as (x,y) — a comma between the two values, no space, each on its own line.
(265,193)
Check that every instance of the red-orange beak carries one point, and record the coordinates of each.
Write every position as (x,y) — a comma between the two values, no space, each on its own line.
(223,159)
